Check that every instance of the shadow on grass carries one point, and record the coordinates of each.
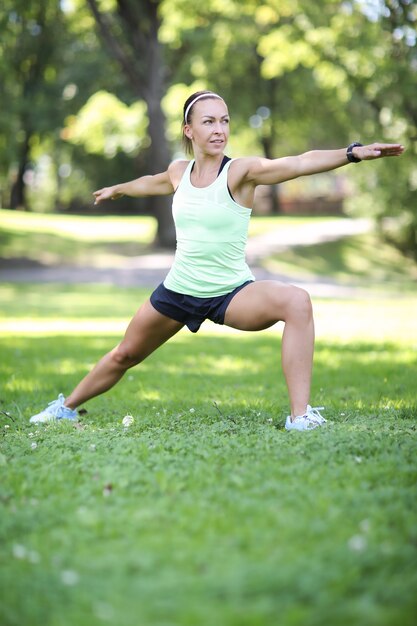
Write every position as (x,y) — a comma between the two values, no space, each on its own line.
(202,513)
(54,249)
(230,375)
(358,258)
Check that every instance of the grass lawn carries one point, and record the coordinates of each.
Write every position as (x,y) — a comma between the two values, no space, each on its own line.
(363,260)
(53,239)
(205,512)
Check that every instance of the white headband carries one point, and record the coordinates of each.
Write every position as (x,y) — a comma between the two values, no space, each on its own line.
(209,94)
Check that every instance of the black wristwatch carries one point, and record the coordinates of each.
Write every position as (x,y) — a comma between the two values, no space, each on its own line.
(349,154)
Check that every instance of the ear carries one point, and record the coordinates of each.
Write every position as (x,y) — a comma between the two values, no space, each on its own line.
(188,132)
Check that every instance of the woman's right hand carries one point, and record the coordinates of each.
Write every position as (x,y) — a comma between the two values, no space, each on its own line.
(107,193)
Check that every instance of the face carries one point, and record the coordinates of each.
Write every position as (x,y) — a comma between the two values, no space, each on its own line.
(209,126)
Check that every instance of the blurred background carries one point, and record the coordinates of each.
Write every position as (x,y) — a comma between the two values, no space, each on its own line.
(92,94)
(203,511)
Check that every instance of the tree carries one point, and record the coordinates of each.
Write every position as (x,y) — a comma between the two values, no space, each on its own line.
(328,72)
(296,74)
(367,54)
(49,66)
(252,54)
(29,60)
(130,33)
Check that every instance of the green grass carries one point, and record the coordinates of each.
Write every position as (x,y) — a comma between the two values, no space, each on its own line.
(205,511)
(362,260)
(52,239)
(261,224)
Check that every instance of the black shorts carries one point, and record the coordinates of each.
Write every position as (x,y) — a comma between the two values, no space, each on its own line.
(190,310)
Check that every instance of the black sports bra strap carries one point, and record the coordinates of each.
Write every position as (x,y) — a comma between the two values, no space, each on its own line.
(226,159)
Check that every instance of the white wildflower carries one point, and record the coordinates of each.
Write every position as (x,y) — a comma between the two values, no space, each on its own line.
(365,525)
(128,420)
(69,577)
(19,551)
(357,543)
(33,557)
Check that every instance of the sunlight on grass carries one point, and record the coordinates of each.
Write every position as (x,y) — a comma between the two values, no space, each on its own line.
(83,240)
(220,365)
(80,227)
(374,319)
(362,259)
(123,228)
(260,225)
(64,326)
(18,384)
(55,301)
(205,511)
(51,309)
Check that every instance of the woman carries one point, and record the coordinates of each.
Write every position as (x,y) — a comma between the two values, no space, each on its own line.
(213,196)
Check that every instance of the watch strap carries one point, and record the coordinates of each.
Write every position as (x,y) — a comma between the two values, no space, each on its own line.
(349,154)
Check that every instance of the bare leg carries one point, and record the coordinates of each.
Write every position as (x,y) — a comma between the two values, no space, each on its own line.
(262,304)
(146,332)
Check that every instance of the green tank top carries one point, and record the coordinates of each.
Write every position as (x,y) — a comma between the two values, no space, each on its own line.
(211,233)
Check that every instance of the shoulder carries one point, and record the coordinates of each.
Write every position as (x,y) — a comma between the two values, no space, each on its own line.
(176,171)
(255,171)
(179,165)
(242,168)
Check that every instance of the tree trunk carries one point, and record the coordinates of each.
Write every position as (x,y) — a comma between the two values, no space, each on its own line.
(274,199)
(159,153)
(139,55)
(17,192)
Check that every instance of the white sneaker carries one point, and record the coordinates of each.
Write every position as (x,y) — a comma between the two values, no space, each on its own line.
(311,419)
(54,411)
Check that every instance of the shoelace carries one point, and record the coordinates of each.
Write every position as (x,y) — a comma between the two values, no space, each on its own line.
(312,421)
(56,404)
(314,415)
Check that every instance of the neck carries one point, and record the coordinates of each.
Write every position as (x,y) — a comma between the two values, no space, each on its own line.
(206,162)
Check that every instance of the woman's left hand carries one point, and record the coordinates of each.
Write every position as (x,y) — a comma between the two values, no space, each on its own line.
(377,151)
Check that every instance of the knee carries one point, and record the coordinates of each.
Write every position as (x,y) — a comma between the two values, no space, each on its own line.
(124,356)
(300,305)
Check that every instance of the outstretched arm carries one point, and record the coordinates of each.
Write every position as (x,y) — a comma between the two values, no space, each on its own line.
(157,185)
(272,171)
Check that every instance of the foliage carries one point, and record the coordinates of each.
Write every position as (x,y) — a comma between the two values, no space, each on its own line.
(205,511)
(275,61)
(51,64)
(129,30)
(28,69)
(105,126)
(296,75)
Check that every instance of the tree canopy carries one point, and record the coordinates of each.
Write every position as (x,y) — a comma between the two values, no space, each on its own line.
(92,92)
